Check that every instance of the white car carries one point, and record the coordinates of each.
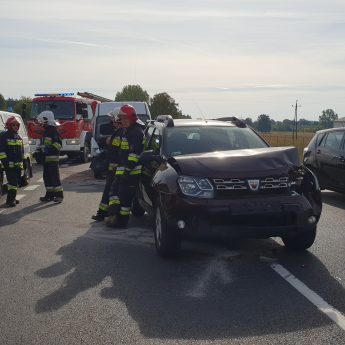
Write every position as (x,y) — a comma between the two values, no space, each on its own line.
(27,172)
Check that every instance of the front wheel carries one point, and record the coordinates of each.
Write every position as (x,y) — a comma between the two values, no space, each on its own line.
(167,240)
(84,155)
(300,241)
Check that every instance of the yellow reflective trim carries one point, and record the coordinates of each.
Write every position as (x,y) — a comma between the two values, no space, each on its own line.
(11,187)
(52,158)
(57,145)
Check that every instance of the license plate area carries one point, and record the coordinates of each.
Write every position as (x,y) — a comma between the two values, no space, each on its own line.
(254,207)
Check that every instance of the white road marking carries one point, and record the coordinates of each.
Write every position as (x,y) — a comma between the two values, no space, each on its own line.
(1,211)
(20,196)
(40,180)
(321,304)
(32,187)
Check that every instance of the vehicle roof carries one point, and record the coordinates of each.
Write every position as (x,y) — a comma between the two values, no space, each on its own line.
(192,122)
(331,130)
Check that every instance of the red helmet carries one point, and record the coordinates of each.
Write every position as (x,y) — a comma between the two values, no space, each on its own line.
(11,121)
(129,111)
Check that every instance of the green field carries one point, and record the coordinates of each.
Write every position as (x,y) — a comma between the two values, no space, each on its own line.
(285,139)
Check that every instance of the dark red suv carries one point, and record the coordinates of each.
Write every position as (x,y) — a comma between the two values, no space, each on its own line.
(221,179)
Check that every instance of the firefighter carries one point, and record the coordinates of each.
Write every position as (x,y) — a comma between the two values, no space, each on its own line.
(113,146)
(52,145)
(11,157)
(128,171)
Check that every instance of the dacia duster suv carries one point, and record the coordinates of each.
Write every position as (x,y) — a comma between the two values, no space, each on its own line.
(215,178)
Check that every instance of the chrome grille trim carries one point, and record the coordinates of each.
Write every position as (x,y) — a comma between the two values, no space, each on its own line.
(266,183)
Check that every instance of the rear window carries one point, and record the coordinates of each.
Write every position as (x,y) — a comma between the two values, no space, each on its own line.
(190,140)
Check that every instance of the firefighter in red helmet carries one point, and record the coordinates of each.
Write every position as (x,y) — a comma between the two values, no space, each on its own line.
(128,171)
(113,146)
(11,157)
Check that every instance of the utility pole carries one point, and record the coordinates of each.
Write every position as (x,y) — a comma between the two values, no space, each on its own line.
(294,128)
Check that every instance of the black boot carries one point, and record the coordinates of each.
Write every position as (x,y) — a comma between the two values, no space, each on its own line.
(99,216)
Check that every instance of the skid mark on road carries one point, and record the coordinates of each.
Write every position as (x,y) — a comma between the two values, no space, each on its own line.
(216,270)
(133,235)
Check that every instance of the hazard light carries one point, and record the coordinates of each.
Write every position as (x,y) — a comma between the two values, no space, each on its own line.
(66,94)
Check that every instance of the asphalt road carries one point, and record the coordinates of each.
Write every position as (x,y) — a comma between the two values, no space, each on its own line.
(65,279)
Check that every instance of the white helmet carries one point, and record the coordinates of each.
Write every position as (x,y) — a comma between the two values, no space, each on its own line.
(46,117)
(114,114)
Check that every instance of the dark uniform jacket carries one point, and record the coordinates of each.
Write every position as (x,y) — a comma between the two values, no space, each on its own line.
(130,149)
(52,144)
(11,150)
(113,149)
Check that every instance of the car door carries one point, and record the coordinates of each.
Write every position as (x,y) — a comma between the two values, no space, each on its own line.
(152,142)
(339,170)
(329,158)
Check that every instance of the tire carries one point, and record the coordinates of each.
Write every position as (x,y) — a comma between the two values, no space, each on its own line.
(301,241)
(137,210)
(168,242)
(84,155)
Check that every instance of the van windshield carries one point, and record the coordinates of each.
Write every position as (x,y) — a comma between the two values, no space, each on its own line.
(63,110)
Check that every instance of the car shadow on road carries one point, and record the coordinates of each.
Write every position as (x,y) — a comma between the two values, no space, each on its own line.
(199,295)
(334,199)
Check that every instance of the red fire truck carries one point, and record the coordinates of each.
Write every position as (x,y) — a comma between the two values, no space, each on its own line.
(75,113)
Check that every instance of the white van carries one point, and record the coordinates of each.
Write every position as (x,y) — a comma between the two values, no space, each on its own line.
(103,128)
(27,172)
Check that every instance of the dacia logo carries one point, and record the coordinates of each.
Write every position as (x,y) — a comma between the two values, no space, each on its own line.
(254,185)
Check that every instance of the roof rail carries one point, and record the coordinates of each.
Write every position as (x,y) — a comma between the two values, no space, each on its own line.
(233,119)
(166,119)
(92,96)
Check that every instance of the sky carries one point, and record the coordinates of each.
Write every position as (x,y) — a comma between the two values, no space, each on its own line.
(214,57)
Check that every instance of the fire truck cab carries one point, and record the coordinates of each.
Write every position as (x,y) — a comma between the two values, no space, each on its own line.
(74,112)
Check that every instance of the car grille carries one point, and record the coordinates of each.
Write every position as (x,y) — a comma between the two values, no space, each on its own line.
(262,185)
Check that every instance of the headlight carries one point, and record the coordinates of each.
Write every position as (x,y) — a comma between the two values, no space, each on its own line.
(197,187)
(72,142)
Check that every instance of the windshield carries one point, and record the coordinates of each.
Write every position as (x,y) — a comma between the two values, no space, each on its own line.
(189,140)
(63,110)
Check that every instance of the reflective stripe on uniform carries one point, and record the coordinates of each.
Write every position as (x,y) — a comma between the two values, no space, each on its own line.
(116,141)
(11,187)
(112,166)
(58,189)
(136,170)
(57,146)
(120,170)
(14,142)
(3,155)
(114,200)
(125,211)
(133,157)
(50,189)
(124,144)
(52,158)
(103,207)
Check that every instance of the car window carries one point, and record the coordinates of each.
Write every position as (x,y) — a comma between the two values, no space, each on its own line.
(333,140)
(200,139)
(154,141)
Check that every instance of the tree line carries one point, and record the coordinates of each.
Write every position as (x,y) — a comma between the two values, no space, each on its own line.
(162,103)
